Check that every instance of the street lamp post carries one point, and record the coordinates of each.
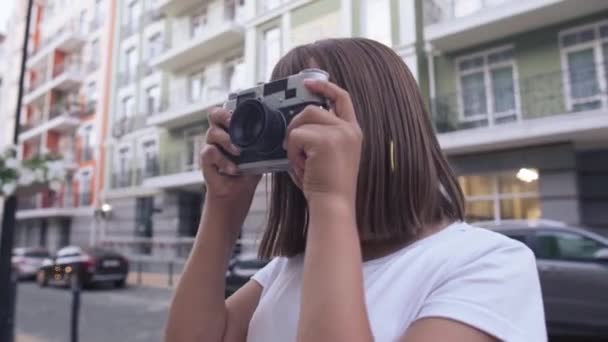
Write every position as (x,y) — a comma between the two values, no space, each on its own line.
(7,289)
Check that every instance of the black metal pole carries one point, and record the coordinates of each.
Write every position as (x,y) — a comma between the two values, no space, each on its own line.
(7,309)
(76,285)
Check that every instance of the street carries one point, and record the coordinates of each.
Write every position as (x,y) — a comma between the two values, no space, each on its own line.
(131,314)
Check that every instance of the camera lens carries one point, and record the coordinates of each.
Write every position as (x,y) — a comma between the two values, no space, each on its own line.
(256,127)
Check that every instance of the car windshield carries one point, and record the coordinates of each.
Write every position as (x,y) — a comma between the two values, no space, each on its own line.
(37,254)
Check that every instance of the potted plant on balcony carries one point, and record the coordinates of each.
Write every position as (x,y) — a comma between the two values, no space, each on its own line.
(30,176)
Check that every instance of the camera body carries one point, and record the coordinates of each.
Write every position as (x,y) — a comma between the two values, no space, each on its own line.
(260,116)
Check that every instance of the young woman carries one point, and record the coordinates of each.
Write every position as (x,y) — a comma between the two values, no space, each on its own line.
(366,231)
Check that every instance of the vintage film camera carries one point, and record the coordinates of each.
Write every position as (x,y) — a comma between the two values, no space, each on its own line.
(260,116)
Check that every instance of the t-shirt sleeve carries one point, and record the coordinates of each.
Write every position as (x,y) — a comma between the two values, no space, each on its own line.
(498,292)
(268,273)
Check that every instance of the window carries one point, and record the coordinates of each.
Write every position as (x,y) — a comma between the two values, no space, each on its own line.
(230,9)
(123,169)
(95,52)
(133,13)
(585,63)
(194,142)
(501,196)
(565,245)
(376,21)
(91,91)
(84,188)
(149,161)
(488,91)
(155,45)
(153,100)
(198,21)
(128,106)
(131,60)
(82,21)
(197,89)
(99,11)
(88,143)
(271,51)
(234,77)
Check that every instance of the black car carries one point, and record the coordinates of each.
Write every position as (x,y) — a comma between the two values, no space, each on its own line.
(89,265)
(240,271)
(573,270)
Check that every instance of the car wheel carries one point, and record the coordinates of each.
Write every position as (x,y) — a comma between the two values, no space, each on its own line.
(120,283)
(41,278)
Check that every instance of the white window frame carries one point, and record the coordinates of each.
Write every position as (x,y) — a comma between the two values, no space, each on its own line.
(131,70)
(157,109)
(85,132)
(85,173)
(117,157)
(158,46)
(198,74)
(197,133)
(600,59)
(124,113)
(264,74)
(487,79)
(233,62)
(201,14)
(143,149)
(495,196)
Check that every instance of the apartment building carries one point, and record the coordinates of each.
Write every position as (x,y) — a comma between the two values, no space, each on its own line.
(64,115)
(207,50)
(520,101)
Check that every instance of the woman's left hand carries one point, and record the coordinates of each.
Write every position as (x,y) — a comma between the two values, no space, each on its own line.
(324,147)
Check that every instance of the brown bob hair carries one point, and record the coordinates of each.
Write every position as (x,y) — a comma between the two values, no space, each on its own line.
(398,195)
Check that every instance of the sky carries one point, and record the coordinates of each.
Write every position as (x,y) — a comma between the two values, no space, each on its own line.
(6,8)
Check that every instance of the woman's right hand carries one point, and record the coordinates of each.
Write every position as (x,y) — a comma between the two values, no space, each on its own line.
(223,181)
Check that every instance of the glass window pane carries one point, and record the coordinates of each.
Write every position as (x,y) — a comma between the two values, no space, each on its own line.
(508,183)
(473,95)
(377,21)
(520,208)
(583,75)
(503,89)
(578,37)
(562,245)
(471,63)
(604,33)
(272,51)
(476,185)
(479,210)
(500,56)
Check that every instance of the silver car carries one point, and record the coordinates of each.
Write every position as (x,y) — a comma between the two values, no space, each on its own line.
(573,269)
(27,260)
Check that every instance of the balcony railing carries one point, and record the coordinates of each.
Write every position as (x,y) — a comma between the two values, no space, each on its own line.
(151,168)
(85,199)
(436,11)
(122,179)
(74,28)
(65,68)
(127,125)
(169,44)
(46,200)
(529,98)
(182,97)
(177,163)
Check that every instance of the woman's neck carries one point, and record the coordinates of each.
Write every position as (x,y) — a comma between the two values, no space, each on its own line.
(378,249)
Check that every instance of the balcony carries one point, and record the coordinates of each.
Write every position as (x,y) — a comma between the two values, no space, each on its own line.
(200,46)
(48,205)
(127,124)
(122,179)
(173,7)
(66,76)
(185,110)
(458,24)
(62,119)
(69,38)
(176,171)
(541,109)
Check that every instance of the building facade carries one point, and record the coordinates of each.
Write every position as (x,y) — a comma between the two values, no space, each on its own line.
(186,60)
(64,115)
(520,102)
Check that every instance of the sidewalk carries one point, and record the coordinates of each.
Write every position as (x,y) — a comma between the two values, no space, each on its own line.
(158,280)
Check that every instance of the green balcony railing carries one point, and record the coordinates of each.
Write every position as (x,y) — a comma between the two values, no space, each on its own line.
(543,95)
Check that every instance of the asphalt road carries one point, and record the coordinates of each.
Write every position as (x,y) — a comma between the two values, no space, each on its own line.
(130,315)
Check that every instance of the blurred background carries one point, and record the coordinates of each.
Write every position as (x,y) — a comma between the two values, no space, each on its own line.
(119,89)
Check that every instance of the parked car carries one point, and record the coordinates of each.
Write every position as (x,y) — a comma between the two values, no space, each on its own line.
(573,269)
(240,270)
(27,260)
(89,265)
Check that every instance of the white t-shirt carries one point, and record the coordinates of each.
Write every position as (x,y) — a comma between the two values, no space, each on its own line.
(463,273)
